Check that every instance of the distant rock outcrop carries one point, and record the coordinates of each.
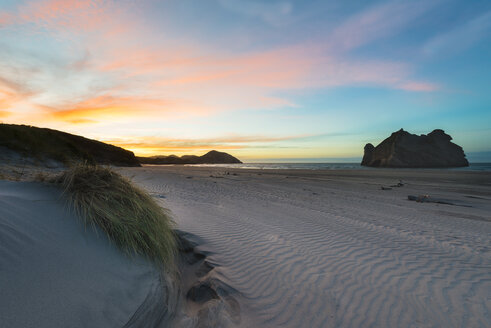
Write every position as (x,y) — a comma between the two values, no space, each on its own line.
(212,157)
(217,157)
(403,149)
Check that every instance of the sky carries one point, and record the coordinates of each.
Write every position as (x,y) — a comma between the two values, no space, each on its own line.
(263,80)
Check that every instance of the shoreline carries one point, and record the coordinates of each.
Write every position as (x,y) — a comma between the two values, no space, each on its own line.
(481,166)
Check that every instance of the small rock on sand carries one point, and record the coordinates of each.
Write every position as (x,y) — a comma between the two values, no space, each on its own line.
(201,292)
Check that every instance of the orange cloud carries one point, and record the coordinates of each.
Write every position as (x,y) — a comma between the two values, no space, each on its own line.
(4,113)
(110,108)
(7,99)
(11,93)
(104,107)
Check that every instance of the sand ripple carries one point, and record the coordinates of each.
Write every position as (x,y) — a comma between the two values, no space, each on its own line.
(335,253)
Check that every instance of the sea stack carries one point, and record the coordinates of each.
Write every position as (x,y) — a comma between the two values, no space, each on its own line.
(403,149)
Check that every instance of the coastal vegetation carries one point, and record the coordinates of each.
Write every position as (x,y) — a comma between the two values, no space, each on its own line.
(130,217)
(44,144)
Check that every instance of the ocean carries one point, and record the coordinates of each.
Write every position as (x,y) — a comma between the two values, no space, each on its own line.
(328,166)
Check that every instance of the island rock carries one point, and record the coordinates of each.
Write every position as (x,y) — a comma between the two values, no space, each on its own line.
(403,149)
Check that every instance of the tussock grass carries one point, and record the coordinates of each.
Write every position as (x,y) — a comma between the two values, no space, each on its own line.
(129,216)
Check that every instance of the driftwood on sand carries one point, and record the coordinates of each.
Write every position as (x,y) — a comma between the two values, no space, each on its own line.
(429,199)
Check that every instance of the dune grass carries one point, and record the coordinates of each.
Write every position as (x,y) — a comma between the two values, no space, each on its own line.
(129,216)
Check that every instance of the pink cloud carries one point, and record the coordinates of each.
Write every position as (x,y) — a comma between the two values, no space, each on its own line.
(419,86)
(11,93)
(106,17)
(296,67)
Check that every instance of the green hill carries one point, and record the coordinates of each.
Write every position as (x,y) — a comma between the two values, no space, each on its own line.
(47,144)
(211,157)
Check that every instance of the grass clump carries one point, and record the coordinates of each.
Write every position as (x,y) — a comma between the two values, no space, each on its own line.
(129,216)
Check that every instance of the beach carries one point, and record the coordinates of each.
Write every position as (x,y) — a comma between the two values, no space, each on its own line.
(314,248)
(245,164)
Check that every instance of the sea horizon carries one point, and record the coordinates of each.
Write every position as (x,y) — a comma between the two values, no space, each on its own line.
(479,166)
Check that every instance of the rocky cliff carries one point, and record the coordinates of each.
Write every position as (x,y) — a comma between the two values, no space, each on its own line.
(403,149)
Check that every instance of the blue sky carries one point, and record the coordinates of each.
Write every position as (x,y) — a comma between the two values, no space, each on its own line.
(262,80)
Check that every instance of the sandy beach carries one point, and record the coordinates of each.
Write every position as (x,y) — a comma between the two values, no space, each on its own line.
(332,249)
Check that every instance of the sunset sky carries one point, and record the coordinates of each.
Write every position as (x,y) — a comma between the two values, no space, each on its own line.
(262,80)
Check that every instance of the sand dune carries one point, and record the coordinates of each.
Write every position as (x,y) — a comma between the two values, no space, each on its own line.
(331,249)
(56,273)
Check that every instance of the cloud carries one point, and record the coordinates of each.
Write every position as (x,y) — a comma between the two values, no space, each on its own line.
(419,86)
(11,93)
(460,38)
(87,80)
(378,22)
(7,99)
(294,67)
(79,16)
(275,13)
(111,108)
(4,113)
